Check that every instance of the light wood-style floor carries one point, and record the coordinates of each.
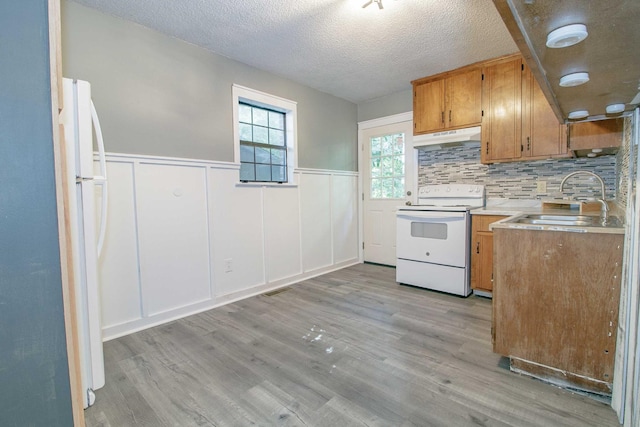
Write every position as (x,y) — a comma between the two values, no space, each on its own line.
(350,348)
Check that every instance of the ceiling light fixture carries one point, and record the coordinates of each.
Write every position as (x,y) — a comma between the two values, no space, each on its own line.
(574,79)
(615,108)
(578,114)
(567,36)
(379,2)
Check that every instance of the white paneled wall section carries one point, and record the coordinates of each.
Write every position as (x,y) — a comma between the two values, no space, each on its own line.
(183,236)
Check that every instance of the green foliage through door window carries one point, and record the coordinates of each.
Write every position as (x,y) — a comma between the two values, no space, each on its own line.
(387,166)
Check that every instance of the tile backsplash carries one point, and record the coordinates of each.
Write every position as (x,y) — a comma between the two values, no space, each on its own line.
(516,180)
(623,162)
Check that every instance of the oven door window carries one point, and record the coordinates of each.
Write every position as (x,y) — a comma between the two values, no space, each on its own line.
(429,230)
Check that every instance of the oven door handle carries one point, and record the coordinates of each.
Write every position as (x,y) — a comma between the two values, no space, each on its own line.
(434,216)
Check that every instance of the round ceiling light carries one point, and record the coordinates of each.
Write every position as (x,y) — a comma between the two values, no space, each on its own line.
(567,36)
(578,114)
(615,108)
(574,79)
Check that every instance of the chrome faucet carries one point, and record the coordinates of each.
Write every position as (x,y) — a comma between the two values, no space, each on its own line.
(604,210)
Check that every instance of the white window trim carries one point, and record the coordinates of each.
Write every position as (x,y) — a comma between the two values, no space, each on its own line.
(262,99)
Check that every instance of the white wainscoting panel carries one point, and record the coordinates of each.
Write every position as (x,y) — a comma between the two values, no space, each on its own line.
(173,236)
(316,223)
(118,264)
(183,236)
(236,233)
(282,232)
(345,217)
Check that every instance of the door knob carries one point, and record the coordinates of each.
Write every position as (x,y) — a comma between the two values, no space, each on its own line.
(408,203)
(409,193)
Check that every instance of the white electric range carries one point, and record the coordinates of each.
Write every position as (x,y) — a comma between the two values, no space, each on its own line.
(433,238)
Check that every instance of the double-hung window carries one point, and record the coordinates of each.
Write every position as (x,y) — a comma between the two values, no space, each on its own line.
(265,130)
(263,146)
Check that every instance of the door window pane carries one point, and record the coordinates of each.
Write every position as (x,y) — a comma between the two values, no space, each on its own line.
(387,166)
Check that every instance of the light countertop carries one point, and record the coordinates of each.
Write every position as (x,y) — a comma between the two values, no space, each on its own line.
(514,208)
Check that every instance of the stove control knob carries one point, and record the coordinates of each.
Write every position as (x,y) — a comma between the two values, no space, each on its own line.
(448,189)
(477,189)
(470,189)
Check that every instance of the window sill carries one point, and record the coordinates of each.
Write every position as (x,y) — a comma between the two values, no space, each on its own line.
(265,184)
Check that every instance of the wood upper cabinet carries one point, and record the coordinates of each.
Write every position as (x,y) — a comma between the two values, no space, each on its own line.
(518,122)
(448,101)
(482,252)
(542,134)
(501,103)
(601,134)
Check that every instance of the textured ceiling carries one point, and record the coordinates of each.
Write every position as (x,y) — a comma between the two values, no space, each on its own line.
(334,46)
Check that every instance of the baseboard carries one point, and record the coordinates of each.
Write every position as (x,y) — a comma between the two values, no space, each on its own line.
(116,331)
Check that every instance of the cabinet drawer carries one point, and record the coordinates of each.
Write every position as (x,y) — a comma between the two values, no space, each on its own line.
(482,222)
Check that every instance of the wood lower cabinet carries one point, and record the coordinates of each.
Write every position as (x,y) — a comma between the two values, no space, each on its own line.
(482,252)
(555,304)
(518,122)
(448,101)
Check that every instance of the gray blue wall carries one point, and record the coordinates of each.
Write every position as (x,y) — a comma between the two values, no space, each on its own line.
(396,103)
(34,375)
(157,95)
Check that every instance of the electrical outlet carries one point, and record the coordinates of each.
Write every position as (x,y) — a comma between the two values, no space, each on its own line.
(228,265)
(541,187)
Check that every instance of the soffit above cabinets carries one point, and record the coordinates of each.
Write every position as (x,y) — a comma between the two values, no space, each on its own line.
(610,53)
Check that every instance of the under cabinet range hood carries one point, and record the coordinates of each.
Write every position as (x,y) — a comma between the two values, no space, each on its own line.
(447,138)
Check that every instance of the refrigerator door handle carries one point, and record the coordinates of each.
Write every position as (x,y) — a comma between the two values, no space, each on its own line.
(101,179)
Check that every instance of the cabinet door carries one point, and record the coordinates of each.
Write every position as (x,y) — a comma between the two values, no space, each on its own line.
(464,99)
(501,122)
(482,251)
(542,134)
(428,107)
(486,261)
(598,134)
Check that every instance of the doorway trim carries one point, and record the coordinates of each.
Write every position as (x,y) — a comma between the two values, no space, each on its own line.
(363,125)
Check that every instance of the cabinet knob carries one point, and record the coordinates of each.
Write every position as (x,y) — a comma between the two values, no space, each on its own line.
(477,247)
(442,117)
(449,116)
(487,147)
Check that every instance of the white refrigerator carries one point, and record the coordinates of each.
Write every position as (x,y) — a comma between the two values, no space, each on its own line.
(87,190)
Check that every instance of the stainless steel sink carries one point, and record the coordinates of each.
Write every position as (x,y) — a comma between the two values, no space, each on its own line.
(567,220)
(571,223)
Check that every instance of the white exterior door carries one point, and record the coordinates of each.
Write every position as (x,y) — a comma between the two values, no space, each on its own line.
(389,175)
